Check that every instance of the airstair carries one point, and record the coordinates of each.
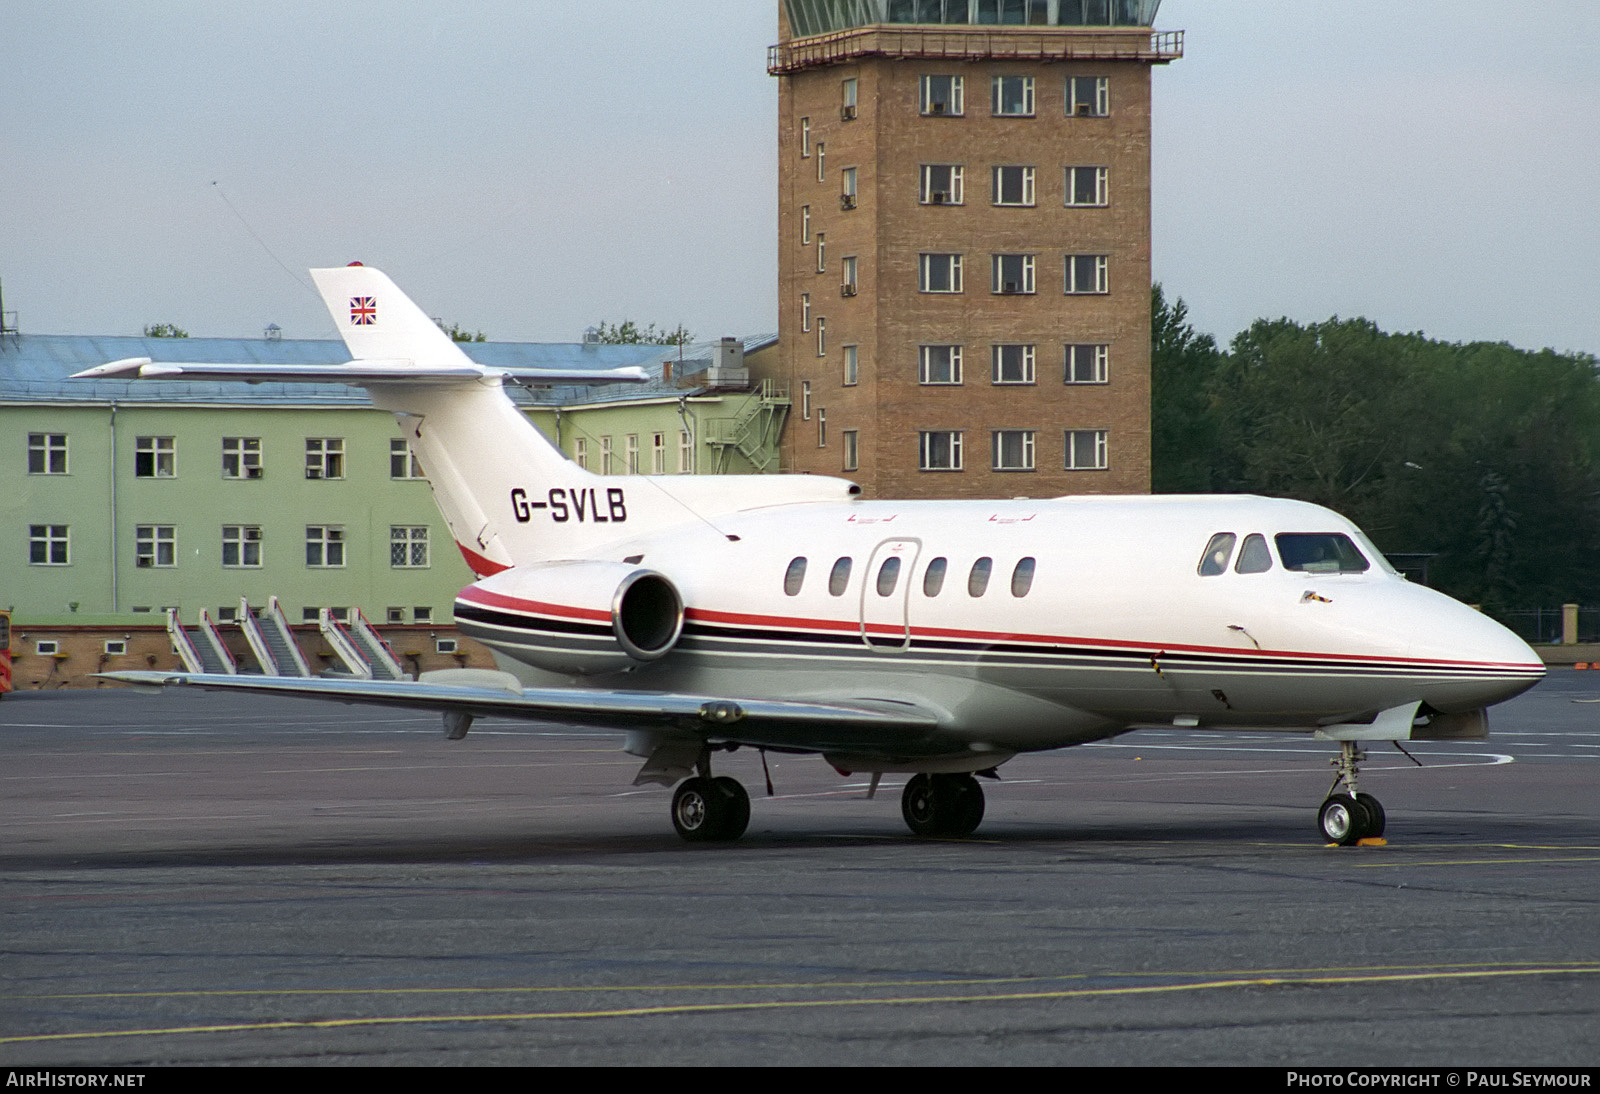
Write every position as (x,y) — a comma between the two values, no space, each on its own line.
(202,651)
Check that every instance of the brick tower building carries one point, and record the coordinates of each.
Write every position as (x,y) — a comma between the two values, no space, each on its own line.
(964,243)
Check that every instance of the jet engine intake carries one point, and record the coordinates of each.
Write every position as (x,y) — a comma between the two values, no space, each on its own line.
(581,618)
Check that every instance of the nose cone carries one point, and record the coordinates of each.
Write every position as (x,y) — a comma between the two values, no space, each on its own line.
(1469,660)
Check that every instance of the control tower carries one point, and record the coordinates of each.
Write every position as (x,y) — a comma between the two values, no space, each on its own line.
(964,242)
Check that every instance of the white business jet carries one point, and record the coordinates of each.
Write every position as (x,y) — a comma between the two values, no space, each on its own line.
(934,638)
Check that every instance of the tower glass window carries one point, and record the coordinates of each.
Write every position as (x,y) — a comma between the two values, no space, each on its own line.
(1012,96)
(1013,185)
(941,184)
(1087,274)
(939,450)
(1013,274)
(941,95)
(1087,186)
(939,273)
(1087,364)
(940,365)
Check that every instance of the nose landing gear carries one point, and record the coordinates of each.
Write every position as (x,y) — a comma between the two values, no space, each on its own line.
(1349,817)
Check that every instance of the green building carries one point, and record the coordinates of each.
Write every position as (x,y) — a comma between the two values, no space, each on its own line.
(120,499)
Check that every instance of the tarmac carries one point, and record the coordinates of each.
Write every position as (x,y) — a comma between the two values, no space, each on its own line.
(201,879)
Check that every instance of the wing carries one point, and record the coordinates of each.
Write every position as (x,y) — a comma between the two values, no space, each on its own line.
(672,728)
(361,373)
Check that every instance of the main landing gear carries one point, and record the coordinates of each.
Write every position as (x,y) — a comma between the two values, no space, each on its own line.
(942,805)
(706,809)
(1350,816)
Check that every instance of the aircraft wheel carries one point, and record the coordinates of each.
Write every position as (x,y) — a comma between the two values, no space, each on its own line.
(736,806)
(704,810)
(942,805)
(1343,820)
(1375,816)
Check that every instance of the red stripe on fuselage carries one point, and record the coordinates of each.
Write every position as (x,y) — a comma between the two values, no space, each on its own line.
(853,626)
(479,565)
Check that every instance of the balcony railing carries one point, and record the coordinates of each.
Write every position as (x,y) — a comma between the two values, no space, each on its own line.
(974,44)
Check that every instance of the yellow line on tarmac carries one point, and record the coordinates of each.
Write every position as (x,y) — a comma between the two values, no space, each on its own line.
(799,1004)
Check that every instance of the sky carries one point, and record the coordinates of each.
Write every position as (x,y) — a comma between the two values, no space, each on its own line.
(529,168)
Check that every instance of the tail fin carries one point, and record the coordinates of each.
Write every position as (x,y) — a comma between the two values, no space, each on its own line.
(380,323)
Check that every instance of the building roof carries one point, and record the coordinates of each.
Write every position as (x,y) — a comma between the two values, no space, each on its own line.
(37,369)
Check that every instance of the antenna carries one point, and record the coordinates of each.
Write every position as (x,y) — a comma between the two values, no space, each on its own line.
(8,324)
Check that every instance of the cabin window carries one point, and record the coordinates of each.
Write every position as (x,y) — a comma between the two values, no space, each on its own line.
(933,579)
(839,578)
(794,577)
(978,579)
(1254,558)
(1022,577)
(1320,553)
(888,576)
(1218,552)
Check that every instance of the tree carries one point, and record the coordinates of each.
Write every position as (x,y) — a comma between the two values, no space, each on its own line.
(1183,425)
(165,330)
(458,334)
(629,333)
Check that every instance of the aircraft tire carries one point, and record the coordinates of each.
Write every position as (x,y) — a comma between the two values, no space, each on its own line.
(1343,820)
(948,806)
(1375,815)
(736,807)
(710,810)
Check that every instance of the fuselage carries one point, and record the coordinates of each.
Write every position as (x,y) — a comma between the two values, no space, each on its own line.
(1034,624)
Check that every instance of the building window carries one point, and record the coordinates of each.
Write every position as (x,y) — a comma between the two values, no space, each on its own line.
(1088,96)
(658,454)
(822,337)
(822,252)
(852,449)
(324,457)
(805,138)
(408,547)
(1013,450)
(605,455)
(1013,364)
(852,369)
(155,545)
(155,458)
(402,464)
(822,162)
(630,453)
(805,400)
(939,365)
(822,427)
(1088,186)
(847,275)
(1012,96)
(49,545)
(939,450)
(941,95)
(580,452)
(241,545)
(941,184)
(847,188)
(47,453)
(1013,185)
(685,453)
(324,546)
(422,614)
(1086,450)
(805,311)
(241,457)
(805,225)
(939,273)
(1013,274)
(1087,364)
(1087,274)
(848,91)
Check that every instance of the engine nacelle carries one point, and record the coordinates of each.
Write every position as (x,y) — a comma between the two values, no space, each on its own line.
(582,618)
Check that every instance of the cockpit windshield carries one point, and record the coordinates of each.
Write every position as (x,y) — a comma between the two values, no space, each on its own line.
(1320,553)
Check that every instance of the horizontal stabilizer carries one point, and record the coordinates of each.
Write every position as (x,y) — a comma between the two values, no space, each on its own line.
(361,373)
